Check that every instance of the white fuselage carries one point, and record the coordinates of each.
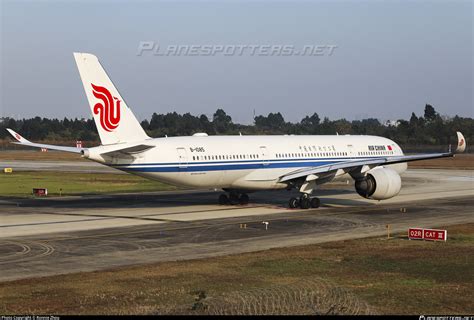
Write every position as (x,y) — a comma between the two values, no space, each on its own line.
(245,162)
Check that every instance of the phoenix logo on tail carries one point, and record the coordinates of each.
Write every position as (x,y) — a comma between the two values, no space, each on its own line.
(108,110)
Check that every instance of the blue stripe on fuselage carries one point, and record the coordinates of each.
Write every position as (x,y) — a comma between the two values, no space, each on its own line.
(231,162)
(226,165)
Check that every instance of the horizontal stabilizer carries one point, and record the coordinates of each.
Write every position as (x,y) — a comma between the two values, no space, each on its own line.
(24,142)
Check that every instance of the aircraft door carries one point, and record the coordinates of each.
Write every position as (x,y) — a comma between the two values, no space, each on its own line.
(264,155)
(350,149)
(182,158)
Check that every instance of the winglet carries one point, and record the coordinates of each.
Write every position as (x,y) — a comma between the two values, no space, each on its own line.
(461,143)
(17,136)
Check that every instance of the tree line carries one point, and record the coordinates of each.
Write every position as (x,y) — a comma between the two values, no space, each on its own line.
(429,129)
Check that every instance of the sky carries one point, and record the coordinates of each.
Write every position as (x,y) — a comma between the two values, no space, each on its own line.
(390,58)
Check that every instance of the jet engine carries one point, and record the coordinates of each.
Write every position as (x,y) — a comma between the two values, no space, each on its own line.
(379,184)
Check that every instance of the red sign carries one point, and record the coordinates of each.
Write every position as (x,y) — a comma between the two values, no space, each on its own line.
(40,192)
(79,144)
(435,235)
(428,234)
(415,233)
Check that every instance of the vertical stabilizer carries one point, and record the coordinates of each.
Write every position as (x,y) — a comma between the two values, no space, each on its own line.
(113,118)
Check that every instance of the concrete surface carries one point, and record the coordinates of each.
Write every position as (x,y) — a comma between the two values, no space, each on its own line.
(40,237)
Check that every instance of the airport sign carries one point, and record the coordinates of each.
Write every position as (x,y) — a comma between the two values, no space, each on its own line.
(415,233)
(427,234)
(435,235)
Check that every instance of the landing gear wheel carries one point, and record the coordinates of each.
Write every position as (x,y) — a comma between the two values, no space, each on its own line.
(223,199)
(294,203)
(305,202)
(244,199)
(315,202)
(233,198)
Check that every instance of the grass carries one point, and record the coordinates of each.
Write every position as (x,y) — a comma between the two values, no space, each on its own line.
(395,276)
(20,184)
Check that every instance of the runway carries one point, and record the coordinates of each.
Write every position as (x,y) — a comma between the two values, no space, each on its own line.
(40,237)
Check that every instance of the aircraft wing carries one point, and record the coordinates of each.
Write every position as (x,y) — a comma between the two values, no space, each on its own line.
(367,164)
(24,142)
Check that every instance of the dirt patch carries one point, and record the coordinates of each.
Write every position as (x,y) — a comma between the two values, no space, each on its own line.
(307,296)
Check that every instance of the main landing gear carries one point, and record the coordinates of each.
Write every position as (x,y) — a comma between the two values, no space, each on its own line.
(304,202)
(234,198)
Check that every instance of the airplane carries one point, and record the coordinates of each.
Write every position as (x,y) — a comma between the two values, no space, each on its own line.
(236,164)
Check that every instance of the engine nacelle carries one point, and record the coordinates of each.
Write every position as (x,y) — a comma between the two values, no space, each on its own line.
(379,184)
